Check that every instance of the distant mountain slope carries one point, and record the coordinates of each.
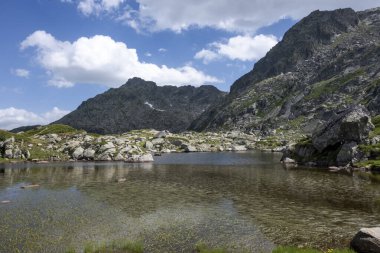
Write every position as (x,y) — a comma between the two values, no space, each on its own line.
(327,61)
(140,104)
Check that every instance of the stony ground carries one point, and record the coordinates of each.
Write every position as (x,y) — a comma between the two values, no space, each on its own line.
(60,142)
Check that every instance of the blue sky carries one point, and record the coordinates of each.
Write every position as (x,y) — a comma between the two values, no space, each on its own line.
(57,53)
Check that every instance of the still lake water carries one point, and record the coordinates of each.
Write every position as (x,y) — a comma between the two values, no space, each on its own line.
(241,201)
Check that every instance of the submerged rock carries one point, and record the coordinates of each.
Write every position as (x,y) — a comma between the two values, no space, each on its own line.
(367,240)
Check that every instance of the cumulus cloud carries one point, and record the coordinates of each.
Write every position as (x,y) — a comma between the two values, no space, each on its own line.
(206,55)
(237,16)
(88,7)
(12,117)
(20,72)
(101,60)
(243,48)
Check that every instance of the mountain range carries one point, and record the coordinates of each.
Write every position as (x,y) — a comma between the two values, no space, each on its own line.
(326,62)
(140,104)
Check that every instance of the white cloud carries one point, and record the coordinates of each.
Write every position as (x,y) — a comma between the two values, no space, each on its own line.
(206,55)
(89,7)
(237,16)
(21,72)
(162,50)
(147,54)
(243,48)
(54,114)
(12,117)
(101,60)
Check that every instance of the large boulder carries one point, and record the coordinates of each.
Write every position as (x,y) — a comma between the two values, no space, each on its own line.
(367,240)
(89,154)
(78,153)
(350,125)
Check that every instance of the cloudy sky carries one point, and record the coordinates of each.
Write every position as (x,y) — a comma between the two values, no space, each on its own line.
(57,53)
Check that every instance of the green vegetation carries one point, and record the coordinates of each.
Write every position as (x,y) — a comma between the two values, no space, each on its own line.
(370,148)
(203,248)
(122,246)
(376,122)
(51,129)
(296,123)
(332,85)
(282,249)
(119,246)
(5,135)
(321,88)
(372,164)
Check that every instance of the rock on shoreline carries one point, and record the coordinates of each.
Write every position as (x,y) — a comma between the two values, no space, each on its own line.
(337,142)
(135,146)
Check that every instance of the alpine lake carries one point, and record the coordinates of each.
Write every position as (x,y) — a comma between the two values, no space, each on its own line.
(241,201)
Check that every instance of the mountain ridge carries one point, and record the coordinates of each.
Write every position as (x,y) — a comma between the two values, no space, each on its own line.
(140,104)
(327,61)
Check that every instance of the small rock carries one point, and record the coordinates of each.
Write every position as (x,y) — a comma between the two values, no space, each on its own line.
(121,180)
(288,160)
(158,141)
(367,240)
(239,148)
(30,186)
(149,145)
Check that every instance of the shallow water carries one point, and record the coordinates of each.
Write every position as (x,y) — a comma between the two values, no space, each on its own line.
(241,201)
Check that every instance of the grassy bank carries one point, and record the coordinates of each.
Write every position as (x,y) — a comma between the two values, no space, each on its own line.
(137,247)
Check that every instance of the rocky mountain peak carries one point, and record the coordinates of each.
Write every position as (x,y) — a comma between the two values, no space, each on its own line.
(299,43)
(326,62)
(140,104)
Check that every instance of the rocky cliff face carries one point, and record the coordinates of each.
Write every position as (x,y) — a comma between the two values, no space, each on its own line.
(328,61)
(140,104)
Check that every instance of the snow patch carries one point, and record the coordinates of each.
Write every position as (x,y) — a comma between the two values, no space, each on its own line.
(152,107)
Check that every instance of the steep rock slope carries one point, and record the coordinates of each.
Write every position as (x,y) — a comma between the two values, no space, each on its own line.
(326,62)
(140,104)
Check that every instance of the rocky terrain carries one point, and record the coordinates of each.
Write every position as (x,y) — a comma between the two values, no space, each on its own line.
(328,61)
(140,104)
(62,143)
(347,139)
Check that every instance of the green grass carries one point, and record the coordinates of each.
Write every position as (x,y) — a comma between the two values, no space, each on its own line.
(376,122)
(297,122)
(51,129)
(203,248)
(372,164)
(119,246)
(282,249)
(370,148)
(5,135)
(332,85)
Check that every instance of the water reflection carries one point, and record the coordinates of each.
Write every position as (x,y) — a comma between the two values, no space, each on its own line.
(238,200)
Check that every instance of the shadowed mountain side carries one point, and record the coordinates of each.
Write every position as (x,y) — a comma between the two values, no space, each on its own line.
(141,104)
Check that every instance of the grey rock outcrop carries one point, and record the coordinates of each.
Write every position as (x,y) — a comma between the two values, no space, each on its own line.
(336,143)
(367,240)
(328,61)
(350,125)
(78,153)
